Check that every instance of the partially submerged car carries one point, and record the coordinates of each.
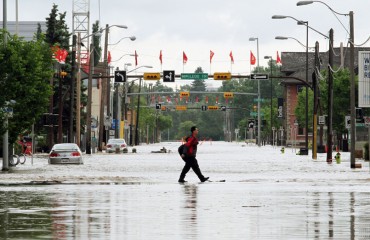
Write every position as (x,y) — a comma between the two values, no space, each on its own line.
(65,153)
(115,143)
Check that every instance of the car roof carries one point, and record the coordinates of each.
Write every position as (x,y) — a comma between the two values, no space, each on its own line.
(65,146)
(116,140)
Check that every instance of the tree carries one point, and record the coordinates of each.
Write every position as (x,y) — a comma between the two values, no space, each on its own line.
(25,70)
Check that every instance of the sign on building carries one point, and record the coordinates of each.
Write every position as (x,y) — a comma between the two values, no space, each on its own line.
(364,78)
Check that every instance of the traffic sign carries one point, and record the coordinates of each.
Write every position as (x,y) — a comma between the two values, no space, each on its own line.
(223,108)
(119,76)
(260,76)
(158,106)
(321,120)
(347,121)
(228,95)
(184,94)
(194,76)
(213,107)
(204,108)
(255,114)
(168,76)
(222,76)
(152,76)
(181,108)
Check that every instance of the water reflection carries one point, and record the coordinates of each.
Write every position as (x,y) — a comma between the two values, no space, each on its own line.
(189,217)
(189,211)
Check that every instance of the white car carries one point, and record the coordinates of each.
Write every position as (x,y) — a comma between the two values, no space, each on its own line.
(116,143)
(65,153)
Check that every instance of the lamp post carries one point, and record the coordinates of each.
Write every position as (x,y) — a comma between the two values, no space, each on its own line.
(138,107)
(259,94)
(105,90)
(352,75)
(89,86)
(271,134)
(306,103)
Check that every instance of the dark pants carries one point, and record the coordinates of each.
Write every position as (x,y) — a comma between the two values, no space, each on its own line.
(191,162)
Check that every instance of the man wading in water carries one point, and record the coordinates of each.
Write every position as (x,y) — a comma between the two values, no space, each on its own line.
(188,155)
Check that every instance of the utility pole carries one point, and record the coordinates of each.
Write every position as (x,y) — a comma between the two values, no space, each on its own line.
(72,86)
(78,93)
(89,100)
(315,101)
(329,157)
(353,98)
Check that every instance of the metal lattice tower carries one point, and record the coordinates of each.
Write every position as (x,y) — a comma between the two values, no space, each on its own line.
(81,23)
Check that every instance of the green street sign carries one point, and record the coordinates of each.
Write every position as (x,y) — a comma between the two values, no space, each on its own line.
(261,100)
(194,76)
(255,114)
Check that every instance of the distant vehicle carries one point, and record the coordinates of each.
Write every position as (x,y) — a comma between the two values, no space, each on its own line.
(65,153)
(115,143)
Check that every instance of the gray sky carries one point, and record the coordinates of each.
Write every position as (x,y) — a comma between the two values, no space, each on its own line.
(198,26)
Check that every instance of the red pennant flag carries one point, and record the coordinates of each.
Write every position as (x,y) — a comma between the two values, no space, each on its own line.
(278,60)
(61,55)
(231,57)
(253,59)
(197,99)
(211,54)
(184,58)
(168,99)
(153,99)
(136,58)
(177,101)
(206,99)
(160,56)
(109,57)
(216,99)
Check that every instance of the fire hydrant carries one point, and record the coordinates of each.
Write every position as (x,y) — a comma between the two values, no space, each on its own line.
(337,158)
(282,150)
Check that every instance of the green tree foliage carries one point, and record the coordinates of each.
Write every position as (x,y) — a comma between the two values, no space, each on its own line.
(96,42)
(25,70)
(341,103)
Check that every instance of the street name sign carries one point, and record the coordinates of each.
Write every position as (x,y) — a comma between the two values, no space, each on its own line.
(194,76)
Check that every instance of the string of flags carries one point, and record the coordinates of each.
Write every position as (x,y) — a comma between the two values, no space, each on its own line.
(211,55)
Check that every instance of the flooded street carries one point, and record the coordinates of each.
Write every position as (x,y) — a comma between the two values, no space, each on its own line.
(266,195)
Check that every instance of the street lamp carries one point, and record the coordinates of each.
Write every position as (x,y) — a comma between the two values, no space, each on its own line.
(352,75)
(89,87)
(105,89)
(306,24)
(259,94)
(286,38)
(138,105)
(271,134)
(132,38)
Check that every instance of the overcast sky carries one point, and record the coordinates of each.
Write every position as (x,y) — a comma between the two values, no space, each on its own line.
(198,26)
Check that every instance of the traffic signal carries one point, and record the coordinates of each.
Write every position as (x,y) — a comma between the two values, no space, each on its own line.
(184,94)
(222,76)
(63,74)
(212,107)
(152,76)
(181,108)
(163,108)
(228,95)
(254,107)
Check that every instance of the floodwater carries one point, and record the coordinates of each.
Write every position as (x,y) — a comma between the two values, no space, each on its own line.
(266,195)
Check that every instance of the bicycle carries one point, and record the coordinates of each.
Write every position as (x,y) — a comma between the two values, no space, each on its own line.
(11,160)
